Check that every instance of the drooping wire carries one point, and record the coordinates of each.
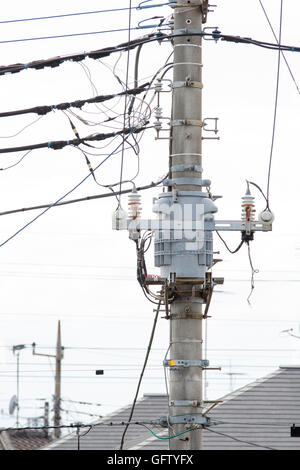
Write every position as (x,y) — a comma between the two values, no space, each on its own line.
(253,272)
(231,251)
(238,440)
(17,163)
(142,374)
(275,107)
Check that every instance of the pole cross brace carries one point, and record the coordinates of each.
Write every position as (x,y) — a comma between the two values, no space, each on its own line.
(180,363)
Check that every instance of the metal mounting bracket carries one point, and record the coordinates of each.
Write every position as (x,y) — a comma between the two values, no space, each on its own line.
(186,122)
(187,83)
(180,363)
(194,403)
(189,419)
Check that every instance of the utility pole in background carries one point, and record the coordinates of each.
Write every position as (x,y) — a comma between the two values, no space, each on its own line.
(183,246)
(57,391)
(17,349)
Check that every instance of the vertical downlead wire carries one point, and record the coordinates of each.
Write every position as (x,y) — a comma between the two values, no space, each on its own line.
(125,105)
(275,107)
(142,374)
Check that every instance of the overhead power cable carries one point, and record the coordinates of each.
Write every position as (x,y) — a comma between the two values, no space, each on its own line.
(112,10)
(275,108)
(42,110)
(21,229)
(239,440)
(83,199)
(60,144)
(283,55)
(105,52)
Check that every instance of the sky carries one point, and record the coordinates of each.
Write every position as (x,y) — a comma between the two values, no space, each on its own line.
(70,265)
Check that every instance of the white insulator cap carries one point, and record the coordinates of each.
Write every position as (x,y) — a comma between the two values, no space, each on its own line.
(158,112)
(158,86)
(134,205)
(266,217)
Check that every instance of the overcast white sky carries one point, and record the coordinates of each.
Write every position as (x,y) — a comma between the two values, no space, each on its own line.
(70,265)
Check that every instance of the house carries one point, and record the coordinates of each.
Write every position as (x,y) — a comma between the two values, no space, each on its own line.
(257,416)
(28,439)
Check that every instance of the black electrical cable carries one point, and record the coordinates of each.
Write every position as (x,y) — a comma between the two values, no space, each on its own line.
(260,190)
(275,109)
(105,52)
(253,271)
(142,374)
(231,251)
(238,440)
(87,198)
(42,110)
(60,144)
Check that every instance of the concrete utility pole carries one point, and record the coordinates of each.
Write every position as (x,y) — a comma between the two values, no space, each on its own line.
(186,172)
(57,392)
(183,246)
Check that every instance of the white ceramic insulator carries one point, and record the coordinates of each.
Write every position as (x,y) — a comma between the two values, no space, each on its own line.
(158,112)
(134,205)
(158,86)
(248,205)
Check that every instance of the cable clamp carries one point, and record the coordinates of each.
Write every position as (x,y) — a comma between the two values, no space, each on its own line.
(186,122)
(181,363)
(187,32)
(165,421)
(180,168)
(187,83)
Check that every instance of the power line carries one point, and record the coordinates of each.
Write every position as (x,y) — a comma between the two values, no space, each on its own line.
(239,440)
(45,109)
(283,55)
(61,36)
(50,17)
(60,144)
(105,52)
(58,200)
(87,198)
(275,106)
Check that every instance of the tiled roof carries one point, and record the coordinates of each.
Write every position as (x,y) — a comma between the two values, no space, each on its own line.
(260,414)
(23,440)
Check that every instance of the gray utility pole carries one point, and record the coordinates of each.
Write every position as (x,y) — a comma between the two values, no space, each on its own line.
(57,392)
(183,230)
(186,316)
(17,349)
